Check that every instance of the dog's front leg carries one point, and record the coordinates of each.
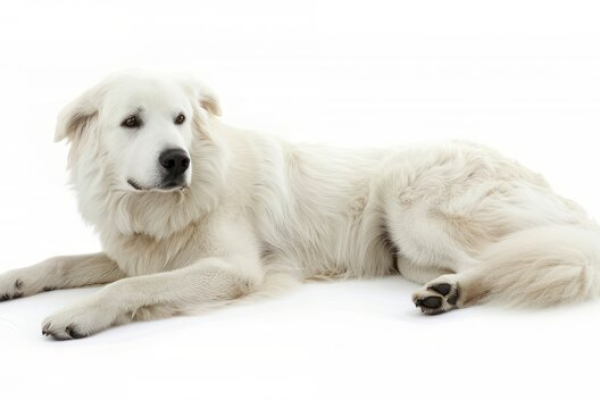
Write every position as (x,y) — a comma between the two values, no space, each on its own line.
(61,272)
(209,282)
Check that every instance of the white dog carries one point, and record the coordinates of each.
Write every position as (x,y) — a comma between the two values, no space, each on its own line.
(195,213)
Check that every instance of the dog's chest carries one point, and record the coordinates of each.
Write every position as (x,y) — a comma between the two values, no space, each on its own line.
(141,254)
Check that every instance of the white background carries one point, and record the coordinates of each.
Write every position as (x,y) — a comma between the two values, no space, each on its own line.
(523,76)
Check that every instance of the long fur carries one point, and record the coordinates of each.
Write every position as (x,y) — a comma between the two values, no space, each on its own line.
(261,213)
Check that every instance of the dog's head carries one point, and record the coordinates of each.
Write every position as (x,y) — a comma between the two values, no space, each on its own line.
(139,126)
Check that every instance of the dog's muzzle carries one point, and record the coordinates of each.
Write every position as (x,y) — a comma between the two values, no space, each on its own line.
(174,162)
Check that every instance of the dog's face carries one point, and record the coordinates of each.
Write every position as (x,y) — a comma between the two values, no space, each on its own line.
(147,131)
(141,125)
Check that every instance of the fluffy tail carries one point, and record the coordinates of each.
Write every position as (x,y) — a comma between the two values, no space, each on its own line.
(542,267)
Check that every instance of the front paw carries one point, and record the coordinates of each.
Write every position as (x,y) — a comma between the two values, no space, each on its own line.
(11,286)
(28,281)
(79,321)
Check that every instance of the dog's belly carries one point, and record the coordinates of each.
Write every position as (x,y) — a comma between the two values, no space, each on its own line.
(311,260)
(349,240)
(319,213)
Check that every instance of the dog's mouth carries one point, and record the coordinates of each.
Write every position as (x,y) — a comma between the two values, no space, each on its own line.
(134,184)
(166,186)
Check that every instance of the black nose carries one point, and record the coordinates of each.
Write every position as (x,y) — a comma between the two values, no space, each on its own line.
(175,161)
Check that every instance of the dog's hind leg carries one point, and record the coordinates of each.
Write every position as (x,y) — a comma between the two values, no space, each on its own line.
(61,272)
(444,288)
(450,291)
(533,268)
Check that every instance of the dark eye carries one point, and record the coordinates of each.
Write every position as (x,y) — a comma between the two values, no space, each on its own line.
(131,122)
(180,119)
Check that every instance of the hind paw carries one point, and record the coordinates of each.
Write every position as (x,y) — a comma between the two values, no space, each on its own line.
(438,296)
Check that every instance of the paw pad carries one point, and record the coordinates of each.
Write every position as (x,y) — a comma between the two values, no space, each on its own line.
(437,298)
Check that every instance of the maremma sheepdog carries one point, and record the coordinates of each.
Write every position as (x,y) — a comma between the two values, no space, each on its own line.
(194,213)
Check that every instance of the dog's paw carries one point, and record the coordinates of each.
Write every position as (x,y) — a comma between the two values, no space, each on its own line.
(438,296)
(12,286)
(27,281)
(79,321)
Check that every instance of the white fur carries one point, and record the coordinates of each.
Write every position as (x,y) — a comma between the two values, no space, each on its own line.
(258,213)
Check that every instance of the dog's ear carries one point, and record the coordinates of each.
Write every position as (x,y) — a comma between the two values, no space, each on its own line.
(206,97)
(76,116)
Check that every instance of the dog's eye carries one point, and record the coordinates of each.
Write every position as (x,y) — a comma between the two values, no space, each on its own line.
(180,119)
(131,122)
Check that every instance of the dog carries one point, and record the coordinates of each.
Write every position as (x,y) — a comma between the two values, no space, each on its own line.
(194,213)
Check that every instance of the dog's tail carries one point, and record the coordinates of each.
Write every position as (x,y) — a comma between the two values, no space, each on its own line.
(541,267)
